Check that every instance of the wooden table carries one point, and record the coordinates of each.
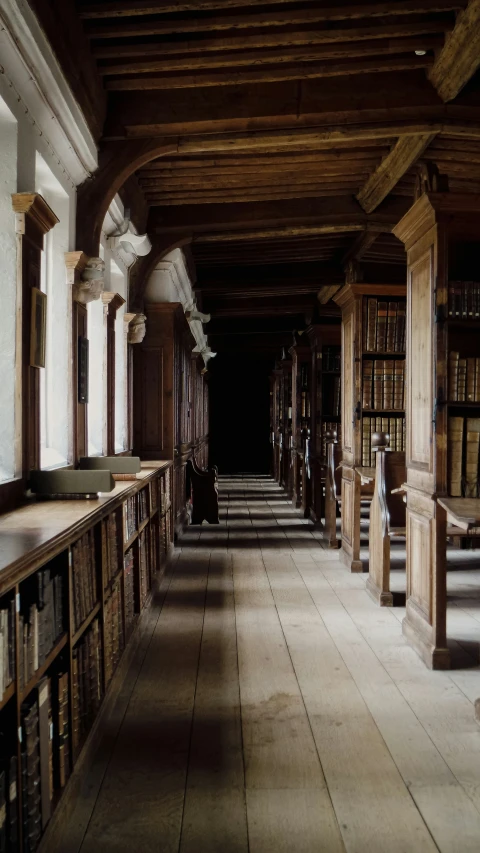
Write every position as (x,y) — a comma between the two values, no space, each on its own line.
(462,512)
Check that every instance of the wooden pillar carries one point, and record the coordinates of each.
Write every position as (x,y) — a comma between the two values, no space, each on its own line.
(441,232)
(75,263)
(111,303)
(33,219)
(134,332)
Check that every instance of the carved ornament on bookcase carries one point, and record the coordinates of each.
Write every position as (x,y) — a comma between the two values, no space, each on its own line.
(85,275)
(353,273)
(429,179)
(136,327)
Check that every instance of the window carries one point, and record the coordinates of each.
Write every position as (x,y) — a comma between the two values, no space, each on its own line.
(8,292)
(55,379)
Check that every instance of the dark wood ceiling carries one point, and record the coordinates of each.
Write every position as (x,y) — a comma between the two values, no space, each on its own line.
(296,130)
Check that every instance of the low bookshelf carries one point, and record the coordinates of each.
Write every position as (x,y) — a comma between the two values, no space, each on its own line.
(74,579)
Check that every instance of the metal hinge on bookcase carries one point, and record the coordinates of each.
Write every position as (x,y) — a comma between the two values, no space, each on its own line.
(434,413)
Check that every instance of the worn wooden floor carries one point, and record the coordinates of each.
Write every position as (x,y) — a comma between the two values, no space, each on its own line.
(274,708)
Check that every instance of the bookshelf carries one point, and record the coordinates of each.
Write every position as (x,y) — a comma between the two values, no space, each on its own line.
(441,233)
(325,405)
(301,415)
(373,377)
(171,403)
(71,590)
(284,423)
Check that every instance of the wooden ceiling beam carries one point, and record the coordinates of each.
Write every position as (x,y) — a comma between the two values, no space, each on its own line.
(270,75)
(133,8)
(185,201)
(360,245)
(257,58)
(239,181)
(460,57)
(401,28)
(266,165)
(402,156)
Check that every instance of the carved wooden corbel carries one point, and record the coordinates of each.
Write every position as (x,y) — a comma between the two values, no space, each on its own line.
(136,327)
(85,275)
(429,179)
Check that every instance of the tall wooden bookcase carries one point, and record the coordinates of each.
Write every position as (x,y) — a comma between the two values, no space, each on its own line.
(364,343)
(301,407)
(164,401)
(277,421)
(441,233)
(285,425)
(325,405)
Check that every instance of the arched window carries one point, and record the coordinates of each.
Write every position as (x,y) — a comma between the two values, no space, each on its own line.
(8,292)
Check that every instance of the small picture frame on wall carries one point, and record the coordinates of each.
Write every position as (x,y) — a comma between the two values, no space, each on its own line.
(82,370)
(38,328)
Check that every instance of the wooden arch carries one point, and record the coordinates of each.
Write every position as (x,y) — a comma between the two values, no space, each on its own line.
(117,163)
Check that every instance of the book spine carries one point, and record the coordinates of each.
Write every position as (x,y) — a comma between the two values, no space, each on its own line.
(381,326)
(453,375)
(455,453)
(388,367)
(471,462)
(391,326)
(371,327)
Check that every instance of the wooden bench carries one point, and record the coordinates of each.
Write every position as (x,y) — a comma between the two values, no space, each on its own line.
(204,493)
(387,517)
(333,490)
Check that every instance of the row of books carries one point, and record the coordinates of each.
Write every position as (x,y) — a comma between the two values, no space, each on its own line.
(40,625)
(395,427)
(463,442)
(154,495)
(129,590)
(143,512)
(143,562)
(113,630)
(129,518)
(330,426)
(165,528)
(85,595)
(464,299)
(86,683)
(384,325)
(110,547)
(165,492)
(331,358)
(9,840)
(332,397)
(45,762)
(463,378)
(7,647)
(383,384)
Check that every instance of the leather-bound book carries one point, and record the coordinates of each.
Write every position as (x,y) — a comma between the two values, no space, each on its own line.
(388,367)
(471,464)
(400,328)
(453,375)
(451,299)
(462,379)
(367,384)
(455,454)
(378,384)
(382,326)
(44,716)
(477,380)
(366,442)
(398,382)
(391,326)
(470,381)
(371,327)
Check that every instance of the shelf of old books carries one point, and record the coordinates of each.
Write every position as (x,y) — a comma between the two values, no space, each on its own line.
(64,624)
(372,391)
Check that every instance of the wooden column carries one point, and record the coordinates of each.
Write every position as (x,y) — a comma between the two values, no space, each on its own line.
(111,303)
(33,219)
(134,332)
(75,263)
(441,232)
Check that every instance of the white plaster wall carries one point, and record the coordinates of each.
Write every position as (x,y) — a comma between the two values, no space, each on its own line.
(8,302)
